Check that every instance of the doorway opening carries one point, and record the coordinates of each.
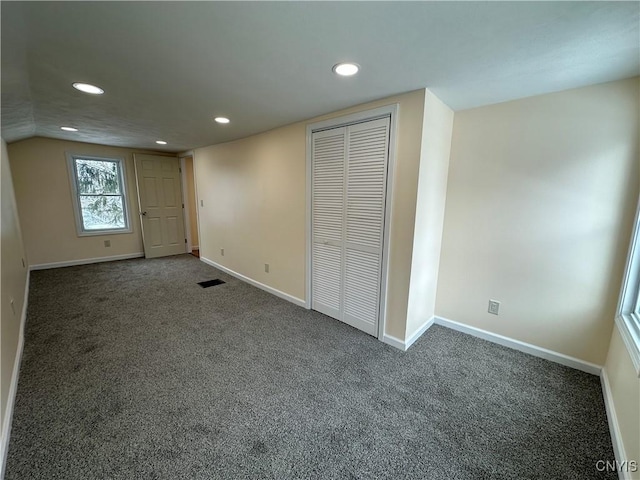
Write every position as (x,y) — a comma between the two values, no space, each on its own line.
(190,205)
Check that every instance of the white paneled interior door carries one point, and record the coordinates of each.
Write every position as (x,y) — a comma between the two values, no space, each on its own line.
(160,197)
(349,179)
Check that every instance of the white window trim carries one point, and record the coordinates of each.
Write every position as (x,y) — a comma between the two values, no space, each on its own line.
(75,196)
(627,318)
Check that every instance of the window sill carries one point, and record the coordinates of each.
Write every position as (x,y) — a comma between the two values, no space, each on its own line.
(629,327)
(104,232)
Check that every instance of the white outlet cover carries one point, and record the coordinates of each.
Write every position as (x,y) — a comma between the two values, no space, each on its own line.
(494,307)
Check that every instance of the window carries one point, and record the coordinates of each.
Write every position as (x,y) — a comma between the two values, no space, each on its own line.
(99,195)
(628,317)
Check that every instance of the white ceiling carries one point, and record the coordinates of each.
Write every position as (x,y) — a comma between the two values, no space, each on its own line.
(169,67)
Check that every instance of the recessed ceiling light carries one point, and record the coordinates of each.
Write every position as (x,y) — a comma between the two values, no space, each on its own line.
(88,88)
(69,129)
(222,120)
(161,142)
(346,69)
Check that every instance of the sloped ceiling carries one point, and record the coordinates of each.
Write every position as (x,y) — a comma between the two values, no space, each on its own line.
(169,67)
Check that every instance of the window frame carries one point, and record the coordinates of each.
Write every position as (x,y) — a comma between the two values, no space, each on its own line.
(75,194)
(628,314)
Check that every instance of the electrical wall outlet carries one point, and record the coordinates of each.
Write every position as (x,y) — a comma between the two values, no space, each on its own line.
(494,307)
(107,243)
(222,252)
(202,203)
(266,267)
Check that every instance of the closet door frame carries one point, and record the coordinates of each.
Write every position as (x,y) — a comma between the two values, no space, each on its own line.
(337,122)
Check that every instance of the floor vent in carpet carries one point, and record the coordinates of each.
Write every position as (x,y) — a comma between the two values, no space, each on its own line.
(210,283)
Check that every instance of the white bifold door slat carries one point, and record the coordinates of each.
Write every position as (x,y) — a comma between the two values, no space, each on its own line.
(328,154)
(349,183)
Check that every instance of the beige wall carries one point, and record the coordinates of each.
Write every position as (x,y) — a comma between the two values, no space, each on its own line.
(625,391)
(43,193)
(437,127)
(191,200)
(254,204)
(12,283)
(540,201)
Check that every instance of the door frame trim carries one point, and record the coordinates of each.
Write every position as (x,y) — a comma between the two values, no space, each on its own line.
(336,122)
(185,211)
(182,156)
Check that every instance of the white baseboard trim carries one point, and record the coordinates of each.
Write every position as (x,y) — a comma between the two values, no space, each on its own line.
(85,261)
(13,387)
(394,342)
(418,333)
(255,283)
(614,426)
(405,344)
(534,350)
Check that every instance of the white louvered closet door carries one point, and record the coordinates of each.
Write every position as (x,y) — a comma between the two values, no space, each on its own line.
(367,158)
(328,159)
(348,207)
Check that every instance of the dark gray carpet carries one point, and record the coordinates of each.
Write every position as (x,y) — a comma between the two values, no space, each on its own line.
(133,371)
